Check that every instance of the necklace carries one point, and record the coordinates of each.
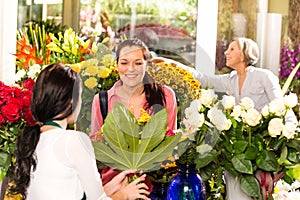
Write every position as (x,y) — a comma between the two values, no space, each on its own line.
(52,123)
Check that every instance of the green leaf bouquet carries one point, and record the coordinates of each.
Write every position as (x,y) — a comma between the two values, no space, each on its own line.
(129,145)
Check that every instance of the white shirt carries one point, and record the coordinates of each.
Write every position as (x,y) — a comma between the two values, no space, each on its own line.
(261,85)
(66,168)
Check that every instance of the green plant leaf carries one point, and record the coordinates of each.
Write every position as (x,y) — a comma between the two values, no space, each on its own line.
(240,146)
(115,159)
(283,155)
(242,165)
(250,186)
(251,152)
(204,159)
(127,147)
(121,128)
(4,158)
(267,161)
(229,167)
(151,160)
(154,131)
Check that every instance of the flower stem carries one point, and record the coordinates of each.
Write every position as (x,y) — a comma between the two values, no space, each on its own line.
(250,133)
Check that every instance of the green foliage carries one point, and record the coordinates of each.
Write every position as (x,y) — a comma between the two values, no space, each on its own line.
(129,146)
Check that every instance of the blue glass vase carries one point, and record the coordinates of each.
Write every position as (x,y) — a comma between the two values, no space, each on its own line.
(186,185)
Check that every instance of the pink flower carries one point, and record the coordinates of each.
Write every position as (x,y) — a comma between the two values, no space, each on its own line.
(170,133)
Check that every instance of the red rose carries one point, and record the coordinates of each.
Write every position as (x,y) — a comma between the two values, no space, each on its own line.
(11,112)
(27,115)
(15,92)
(28,83)
(26,96)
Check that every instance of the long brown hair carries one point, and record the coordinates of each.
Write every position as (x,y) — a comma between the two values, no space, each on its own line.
(56,86)
(155,96)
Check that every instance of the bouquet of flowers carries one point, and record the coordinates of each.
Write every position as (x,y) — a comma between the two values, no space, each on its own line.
(15,114)
(259,147)
(97,75)
(202,125)
(261,144)
(185,86)
(126,143)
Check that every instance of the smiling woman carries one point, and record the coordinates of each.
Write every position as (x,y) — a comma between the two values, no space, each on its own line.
(136,90)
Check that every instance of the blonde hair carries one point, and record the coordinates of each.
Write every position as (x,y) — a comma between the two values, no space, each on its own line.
(249,49)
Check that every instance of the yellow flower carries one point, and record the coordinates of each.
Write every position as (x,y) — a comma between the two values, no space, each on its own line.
(103,72)
(91,82)
(181,81)
(108,60)
(53,47)
(144,118)
(86,63)
(94,48)
(76,67)
(66,47)
(92,70)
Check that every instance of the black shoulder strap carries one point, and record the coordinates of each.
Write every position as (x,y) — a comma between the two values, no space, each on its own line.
(103,104)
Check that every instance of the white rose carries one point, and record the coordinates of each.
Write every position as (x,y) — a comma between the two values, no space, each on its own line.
(236,112)
(252,117)
(20,74)
(188,127)
(207,97)
(34,70)
(218,118)
(289,130)
(275,127)
(196,104)
(192,108)
(265,111)
(290,100)
(247,103)
(276,107)
(195,121)
(228,102)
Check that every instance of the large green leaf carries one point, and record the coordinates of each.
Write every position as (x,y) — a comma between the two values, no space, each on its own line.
(154,131)
(250,186)
(204,159)
(151,160)
(242,165)
(126,147)
(110,158)
(240,146)
(121,128)
(267,161)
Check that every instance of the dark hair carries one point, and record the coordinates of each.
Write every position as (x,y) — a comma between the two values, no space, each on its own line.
(155,96)
(55,88)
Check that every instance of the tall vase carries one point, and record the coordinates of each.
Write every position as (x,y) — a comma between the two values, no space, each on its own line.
(186,185)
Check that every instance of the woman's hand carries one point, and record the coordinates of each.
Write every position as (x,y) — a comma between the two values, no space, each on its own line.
(136,189)
(118,187)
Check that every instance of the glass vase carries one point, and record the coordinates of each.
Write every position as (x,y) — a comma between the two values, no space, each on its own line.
(186,185)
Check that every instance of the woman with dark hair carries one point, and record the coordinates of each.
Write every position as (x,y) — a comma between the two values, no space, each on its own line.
(136,89)
(54,163)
